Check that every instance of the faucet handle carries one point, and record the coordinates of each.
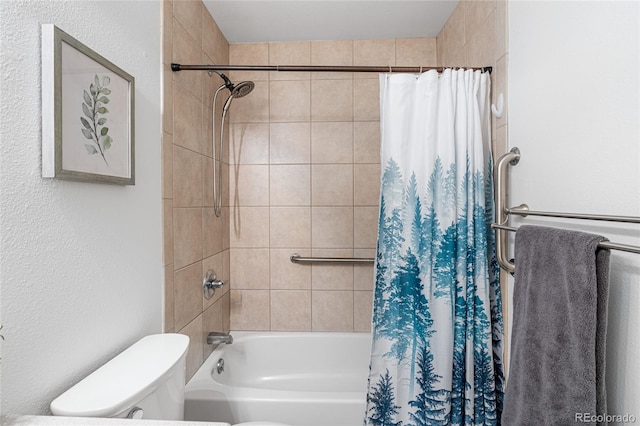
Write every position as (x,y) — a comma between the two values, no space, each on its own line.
(210,284)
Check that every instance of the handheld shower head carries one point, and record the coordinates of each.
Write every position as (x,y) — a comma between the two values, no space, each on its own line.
(242,89)
(237,91)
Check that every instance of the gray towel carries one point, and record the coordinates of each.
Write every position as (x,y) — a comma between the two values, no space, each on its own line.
(559,328)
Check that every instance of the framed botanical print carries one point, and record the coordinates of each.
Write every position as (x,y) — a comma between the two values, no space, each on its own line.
(87,113)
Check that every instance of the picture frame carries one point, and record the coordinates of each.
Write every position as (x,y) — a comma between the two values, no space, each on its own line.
(88,123)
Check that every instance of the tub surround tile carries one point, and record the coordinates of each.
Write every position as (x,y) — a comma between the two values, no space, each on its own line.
(362,310)
(332,311)
(289,53)
(187,182)
(211,321)
(364,274)
(207,181)
(304,177)
(250,269)
(365,226)
(289,185)
(249,143)
(187,294)
(250,310)
(167,231)
(290,310)
(332,184)
(332,227)
(248,54)
(189,14)
(286,275)
(249,185)
(187,121)
(366,100)
(290,143)
(290,101)
(167,165)
(167,99)
(193,239)
(214,44)
(416,52)
(206,145)
(476,12)
(298,296)
(226,312)
(225,185)
(481,46)
(332,276)
(186,50)
(249,227)
(290,227)
(332,142)
(373,53)
(338,52)
(187,239)
(212,232)
(366,142)
(195,354)
(332,100)
(366,177)
(167,32)
(169,300)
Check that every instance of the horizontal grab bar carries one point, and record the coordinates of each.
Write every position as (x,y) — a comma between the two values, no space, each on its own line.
(296,258)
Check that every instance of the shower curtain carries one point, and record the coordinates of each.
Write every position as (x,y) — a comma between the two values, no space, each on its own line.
(437,328)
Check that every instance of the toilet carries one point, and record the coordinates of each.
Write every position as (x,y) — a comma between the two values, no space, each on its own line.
(146,381)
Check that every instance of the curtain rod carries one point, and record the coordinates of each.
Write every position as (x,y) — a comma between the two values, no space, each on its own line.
(313,68)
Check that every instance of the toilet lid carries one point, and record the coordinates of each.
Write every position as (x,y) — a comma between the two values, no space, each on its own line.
(125,380)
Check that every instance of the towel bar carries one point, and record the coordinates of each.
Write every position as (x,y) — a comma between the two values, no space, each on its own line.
(605,244)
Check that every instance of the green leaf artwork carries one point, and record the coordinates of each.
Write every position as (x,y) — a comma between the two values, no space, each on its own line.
(93,126)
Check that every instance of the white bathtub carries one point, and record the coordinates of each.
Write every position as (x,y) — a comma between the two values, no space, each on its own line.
(301,379)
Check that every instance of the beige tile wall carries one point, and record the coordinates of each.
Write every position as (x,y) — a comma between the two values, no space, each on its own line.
(304,178)
(476,34)
(302,170)
(194,239)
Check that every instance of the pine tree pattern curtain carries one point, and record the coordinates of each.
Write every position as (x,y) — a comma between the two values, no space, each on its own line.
(437,327)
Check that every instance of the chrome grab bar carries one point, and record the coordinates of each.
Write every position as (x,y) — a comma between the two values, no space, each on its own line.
(502,197)
(296,258)
(502,214)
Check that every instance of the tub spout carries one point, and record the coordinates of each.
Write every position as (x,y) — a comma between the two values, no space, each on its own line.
(215,338)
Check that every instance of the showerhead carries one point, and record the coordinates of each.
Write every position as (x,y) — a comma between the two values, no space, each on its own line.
(237,90)
(242,89)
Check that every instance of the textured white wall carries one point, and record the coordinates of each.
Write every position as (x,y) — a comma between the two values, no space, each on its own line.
(80,266)
(574,95)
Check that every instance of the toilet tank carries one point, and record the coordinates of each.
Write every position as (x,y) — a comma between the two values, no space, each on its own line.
(148,376)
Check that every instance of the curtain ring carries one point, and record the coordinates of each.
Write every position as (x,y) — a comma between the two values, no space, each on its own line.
(390,71)
(420,70)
